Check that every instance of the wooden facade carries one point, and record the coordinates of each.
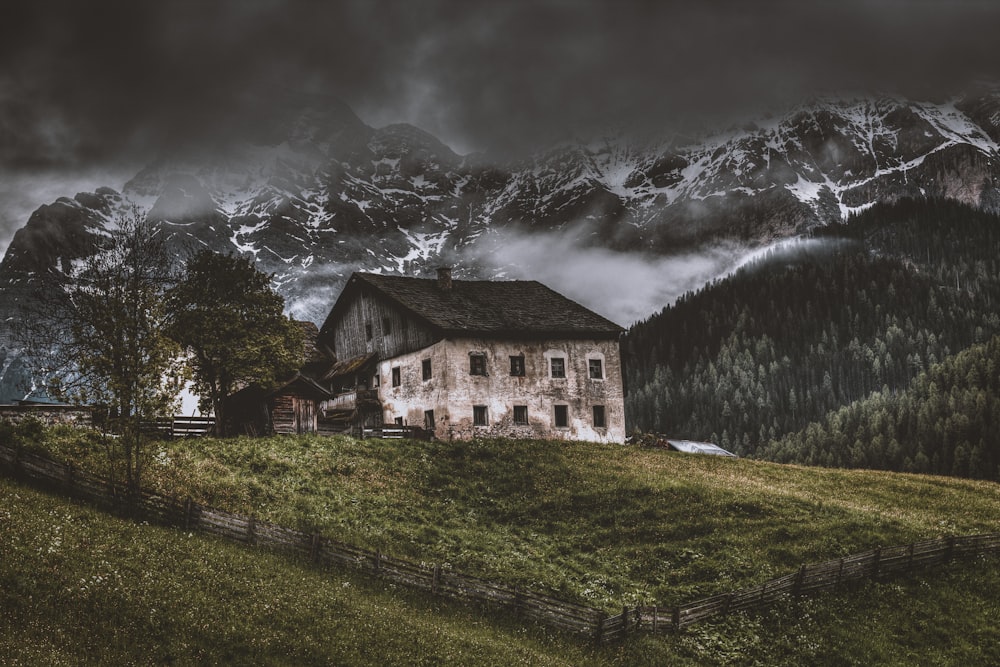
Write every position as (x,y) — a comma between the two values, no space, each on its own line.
(371,325)
(291,408)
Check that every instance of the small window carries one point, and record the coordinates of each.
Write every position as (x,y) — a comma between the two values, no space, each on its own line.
(376,380)
(477,363)
(521,415)
(517,366)
(426,369)
(599,421)
(596,368)
(386,326)
(428,420)
(396,376)
(558,367)
(398,421)
(479,415)
(562,416)
(368,331)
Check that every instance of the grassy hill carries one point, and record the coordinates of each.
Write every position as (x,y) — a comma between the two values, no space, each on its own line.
(594,523)
(82,588)
(601,525)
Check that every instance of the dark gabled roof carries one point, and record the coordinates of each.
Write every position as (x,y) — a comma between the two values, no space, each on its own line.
(255,392)
(347,367)
(500,308)
(304,383)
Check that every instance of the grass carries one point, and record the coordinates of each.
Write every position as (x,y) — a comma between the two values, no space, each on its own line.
(601,525)
(79,587)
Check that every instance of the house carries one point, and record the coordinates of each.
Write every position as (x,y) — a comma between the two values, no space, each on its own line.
(464,359)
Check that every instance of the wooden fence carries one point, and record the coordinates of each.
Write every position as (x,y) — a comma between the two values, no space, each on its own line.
(178,427)
(397,432)
(569,617)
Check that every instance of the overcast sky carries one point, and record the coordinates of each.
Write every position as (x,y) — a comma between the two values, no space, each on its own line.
(91,90)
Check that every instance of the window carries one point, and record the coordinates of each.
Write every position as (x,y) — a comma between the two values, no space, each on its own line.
(426,369)
(562,416)
(517,366)
(479,415)
(428,420)
(521,414)
(599,421)
(558,365)
(596,367)
(368,331)
(376,380)
(477,363)
(396,376)
(398,421)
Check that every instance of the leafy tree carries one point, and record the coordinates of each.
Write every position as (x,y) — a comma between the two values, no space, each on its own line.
(99,335)
(229,319)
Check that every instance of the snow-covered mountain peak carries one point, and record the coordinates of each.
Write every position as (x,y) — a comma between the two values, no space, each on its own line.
(315,192)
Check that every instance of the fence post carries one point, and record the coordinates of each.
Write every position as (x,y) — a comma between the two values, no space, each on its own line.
(950,554)
(251,527)
(187,513)
(909,561)
(797,587)
(314,548)
(875,562)
(840,571)
(675,618)
(654,619)
(624,622)
(599,631)
(378,562)
(436,581)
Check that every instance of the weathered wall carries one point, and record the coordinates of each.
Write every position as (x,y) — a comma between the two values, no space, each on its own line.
(49,414)
(452,392)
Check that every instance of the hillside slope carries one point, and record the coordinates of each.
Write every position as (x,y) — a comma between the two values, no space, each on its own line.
(600,525)
(80,583)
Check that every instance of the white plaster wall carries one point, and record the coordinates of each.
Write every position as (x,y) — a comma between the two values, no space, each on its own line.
(452,392)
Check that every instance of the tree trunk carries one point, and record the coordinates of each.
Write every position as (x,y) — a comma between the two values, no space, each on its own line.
(218,407)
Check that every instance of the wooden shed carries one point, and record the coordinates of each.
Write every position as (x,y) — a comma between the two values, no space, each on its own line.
(292,407)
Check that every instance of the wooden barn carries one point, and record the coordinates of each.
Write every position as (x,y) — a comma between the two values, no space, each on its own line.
(292,407)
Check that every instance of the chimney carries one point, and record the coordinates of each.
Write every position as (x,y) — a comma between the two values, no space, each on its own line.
(444,278)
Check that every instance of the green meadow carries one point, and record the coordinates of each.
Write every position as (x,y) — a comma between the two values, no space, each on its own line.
(601,525)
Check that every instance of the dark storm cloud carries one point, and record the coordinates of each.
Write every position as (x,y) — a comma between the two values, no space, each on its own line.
(84,82)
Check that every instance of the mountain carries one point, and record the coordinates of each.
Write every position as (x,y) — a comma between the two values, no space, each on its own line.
(796,356)
(313,193)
